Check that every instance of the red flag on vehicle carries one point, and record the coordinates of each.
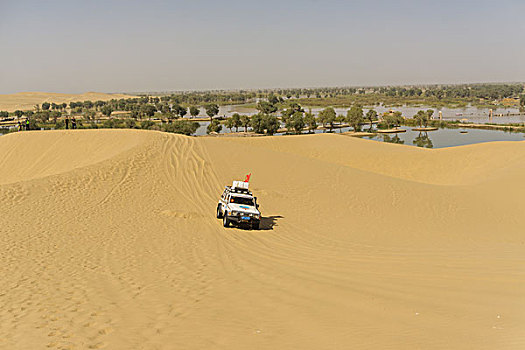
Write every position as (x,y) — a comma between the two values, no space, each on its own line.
(248,177)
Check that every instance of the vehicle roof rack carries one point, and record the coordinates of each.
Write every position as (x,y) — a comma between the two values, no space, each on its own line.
(238,190)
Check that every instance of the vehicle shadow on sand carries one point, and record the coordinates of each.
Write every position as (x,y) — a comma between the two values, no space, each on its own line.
(267,223)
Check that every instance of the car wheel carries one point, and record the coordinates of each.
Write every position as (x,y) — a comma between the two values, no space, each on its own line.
(219,214)
(225,220)
(255,226)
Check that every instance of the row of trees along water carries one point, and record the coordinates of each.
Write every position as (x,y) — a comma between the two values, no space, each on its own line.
(170,107)
(294,119)
(187,102)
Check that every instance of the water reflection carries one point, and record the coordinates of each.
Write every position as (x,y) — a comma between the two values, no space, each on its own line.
(393,139)
(422,140)
(446,137)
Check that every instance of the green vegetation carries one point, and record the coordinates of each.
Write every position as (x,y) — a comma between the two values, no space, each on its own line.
(212,110)
(194,111)
(422,118)
(371,116)
(391,120)
(327,116)
(310,121)
(275,107)
(355,118)
(214,126)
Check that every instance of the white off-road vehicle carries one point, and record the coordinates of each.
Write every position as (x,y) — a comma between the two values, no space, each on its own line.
(237,205)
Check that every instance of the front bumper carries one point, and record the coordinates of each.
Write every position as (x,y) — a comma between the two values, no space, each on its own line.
(244,220)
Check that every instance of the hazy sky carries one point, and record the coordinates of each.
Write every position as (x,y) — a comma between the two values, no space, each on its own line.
(114,46)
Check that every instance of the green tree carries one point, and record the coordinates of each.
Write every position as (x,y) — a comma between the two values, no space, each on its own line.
(273,99)
(286,113)
(310,121)
(194,111)
(257,123)
(185,127)
(297,122)
(392,119)
(354,116)
(148,110)
(99,104)
(89,115)
(107,110)
(55,115)
(371,116)
(286,118)
(245,121)
(266,107)
(229,123)
(295,107)
(327,116)
(271,124)
(43,116)
(18,114)
(212,110)
(163,107)
(180,110)
(340,119)
(45,106)
(171,116)
(236,120)
(146,124)
(214,126)
(129,123)
(421,118)
(430,113)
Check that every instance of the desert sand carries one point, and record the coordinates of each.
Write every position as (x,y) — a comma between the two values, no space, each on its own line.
(109,240)
(28,100)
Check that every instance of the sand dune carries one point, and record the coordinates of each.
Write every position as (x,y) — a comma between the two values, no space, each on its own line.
(109,241)
(28,100)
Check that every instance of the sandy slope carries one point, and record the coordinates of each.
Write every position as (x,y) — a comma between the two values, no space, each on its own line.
(28,100)
(109,241)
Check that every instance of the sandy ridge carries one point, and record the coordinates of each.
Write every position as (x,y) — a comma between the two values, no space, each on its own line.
(111,242)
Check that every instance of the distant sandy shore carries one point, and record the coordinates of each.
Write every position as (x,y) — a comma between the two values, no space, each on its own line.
(27,100)
(109,241)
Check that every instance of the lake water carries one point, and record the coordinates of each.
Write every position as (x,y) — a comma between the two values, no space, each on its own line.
(446,137)
(472,114)
(431,139)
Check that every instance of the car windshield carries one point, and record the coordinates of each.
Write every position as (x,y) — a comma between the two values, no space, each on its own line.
(242,200)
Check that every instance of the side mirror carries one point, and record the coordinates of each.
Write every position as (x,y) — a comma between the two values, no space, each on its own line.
(257,205)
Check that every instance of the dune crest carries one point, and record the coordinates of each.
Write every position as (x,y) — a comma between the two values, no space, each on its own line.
(110,241)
